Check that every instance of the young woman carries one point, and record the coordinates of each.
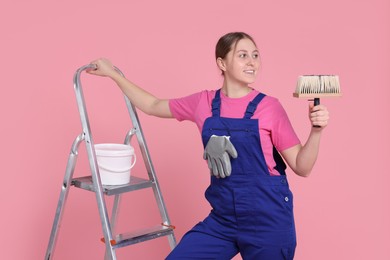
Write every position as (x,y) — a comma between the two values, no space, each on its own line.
(252,206)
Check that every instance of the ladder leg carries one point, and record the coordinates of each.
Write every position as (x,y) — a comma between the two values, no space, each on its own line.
(108,238)
(163,210)
(172,241)
(98,188)
(115,212)
(114,218)
(67,182)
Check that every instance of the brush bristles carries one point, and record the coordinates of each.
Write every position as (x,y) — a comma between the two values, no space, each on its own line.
(317,86)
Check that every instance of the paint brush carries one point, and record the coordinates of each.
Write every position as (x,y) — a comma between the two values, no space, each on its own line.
(317,86)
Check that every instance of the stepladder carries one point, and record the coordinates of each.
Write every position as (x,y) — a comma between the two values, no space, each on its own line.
(92,183)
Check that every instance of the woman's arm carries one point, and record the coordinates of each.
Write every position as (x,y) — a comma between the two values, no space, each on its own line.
(301,159)
(140,98)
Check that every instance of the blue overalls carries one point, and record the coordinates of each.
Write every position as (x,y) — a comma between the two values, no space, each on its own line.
(252,211)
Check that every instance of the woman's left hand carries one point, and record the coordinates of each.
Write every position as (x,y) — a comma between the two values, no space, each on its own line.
(319,116)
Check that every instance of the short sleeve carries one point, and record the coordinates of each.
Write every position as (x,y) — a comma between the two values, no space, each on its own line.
(283,135)
(275,124)
(185,108)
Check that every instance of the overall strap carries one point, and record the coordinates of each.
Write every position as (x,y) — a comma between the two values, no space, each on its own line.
(251,108)
(216,104)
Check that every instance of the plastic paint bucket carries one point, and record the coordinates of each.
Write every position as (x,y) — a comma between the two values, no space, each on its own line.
(115,162)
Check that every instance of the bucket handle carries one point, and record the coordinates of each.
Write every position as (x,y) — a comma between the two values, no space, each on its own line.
(121,170)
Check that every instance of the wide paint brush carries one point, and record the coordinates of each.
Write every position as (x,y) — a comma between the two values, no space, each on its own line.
(317,86)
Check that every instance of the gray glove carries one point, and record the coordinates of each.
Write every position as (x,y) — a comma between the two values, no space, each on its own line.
(217,153)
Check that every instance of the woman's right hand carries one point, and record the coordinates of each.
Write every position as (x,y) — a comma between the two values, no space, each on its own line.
(103,68)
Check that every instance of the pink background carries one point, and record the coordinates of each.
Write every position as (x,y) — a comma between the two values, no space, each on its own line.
(342,210)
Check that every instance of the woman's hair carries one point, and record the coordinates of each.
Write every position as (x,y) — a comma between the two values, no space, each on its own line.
(226,42)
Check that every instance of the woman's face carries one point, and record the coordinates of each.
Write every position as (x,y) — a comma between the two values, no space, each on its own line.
(242,63)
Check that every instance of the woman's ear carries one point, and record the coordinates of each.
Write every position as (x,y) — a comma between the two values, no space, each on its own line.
(221,64)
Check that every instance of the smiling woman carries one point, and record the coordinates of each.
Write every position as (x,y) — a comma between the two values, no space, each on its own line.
(249,193)
(239,67)
(341,212)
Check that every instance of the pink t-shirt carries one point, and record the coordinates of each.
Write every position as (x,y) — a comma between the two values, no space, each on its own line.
(275,127)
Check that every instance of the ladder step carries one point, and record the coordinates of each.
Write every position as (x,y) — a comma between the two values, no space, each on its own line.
(131,238)
(135,184)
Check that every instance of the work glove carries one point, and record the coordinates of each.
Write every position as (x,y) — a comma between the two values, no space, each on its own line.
(217,153)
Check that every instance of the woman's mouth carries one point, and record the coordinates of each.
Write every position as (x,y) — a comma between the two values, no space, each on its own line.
(249,72)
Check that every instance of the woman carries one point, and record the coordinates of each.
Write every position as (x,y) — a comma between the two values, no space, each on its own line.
(251,202)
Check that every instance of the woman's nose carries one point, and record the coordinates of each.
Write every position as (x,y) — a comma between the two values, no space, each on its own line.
(251,61)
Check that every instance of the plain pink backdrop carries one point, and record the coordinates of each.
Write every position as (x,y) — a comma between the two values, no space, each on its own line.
(342,210)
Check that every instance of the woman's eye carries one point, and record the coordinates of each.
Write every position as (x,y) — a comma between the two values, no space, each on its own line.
(243,55)
(255,56)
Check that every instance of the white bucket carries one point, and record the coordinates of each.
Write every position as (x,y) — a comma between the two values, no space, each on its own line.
(115,162)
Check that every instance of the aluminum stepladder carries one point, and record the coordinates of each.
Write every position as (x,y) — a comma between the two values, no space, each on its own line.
(92,183)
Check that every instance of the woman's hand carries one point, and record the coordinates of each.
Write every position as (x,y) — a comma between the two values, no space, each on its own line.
(319,116)
(103,68)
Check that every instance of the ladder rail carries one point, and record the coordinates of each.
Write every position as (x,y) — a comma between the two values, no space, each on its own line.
(92,159)
(137,130)
(150,168)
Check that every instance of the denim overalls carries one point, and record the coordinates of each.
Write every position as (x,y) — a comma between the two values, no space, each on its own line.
(252,211)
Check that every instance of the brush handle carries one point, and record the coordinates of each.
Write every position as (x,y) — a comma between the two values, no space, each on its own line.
(316,103)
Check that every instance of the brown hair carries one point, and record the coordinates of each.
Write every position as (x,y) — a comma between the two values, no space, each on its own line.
(225,43)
